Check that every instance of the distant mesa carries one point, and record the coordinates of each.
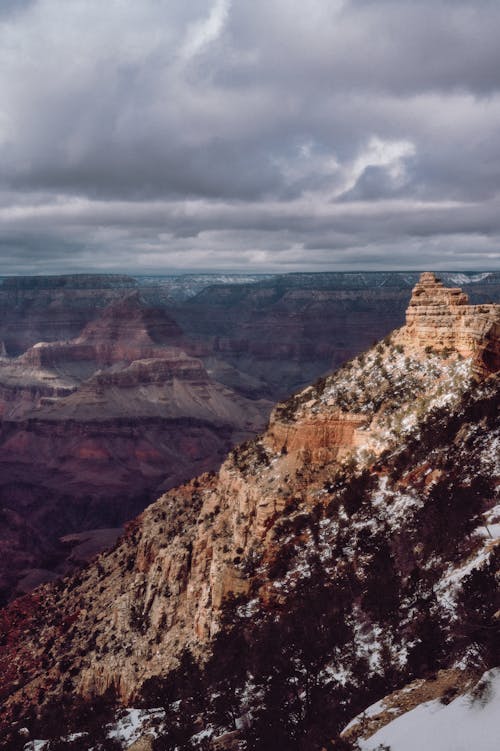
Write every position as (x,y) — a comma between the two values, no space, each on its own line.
(130,317)
(126,330)
(69,281)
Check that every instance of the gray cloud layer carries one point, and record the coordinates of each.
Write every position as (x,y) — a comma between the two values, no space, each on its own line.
(263,135)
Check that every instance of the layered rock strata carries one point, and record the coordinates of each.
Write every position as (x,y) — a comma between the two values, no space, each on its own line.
(94,428)
(441,318)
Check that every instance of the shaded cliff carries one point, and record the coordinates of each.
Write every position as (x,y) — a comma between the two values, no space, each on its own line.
(94,428)
(50,308)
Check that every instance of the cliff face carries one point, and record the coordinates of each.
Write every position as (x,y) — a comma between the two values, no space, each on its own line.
(439,322)
(339,493)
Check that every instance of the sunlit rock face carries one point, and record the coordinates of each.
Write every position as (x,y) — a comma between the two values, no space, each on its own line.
(441,318)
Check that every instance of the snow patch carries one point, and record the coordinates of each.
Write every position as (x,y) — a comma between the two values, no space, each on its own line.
(130,727)
(468,722)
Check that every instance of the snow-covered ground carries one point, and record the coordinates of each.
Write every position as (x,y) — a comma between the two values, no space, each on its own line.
(130,726)
(467,278)
(469,723)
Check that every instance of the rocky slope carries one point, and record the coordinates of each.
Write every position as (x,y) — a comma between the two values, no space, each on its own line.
(253,597)
(259,336)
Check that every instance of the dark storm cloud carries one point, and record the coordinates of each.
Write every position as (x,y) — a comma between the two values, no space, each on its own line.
(10,7)
(262,134)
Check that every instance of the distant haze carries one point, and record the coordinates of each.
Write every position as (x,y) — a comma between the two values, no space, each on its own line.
(249,136)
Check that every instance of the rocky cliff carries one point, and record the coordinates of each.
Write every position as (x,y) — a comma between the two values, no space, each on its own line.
(269,573)
(286,331)
(439,321)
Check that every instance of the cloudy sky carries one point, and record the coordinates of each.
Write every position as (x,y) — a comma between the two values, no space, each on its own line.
(249,135)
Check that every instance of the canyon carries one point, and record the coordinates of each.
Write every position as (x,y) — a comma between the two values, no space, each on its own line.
(95,427)
(266,575)
(113,388)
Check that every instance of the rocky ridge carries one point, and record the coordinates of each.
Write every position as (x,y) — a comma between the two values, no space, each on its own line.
(348,485)
(287,331)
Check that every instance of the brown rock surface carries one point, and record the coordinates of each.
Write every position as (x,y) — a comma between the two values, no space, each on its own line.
(164,585)
(322,438)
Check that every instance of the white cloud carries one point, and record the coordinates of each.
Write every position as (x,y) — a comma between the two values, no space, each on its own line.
(203,32)
(382,153)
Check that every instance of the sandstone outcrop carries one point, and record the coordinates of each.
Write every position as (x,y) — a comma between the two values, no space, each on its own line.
(319,438)
(441,319)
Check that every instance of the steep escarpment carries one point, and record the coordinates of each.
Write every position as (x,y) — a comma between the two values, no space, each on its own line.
(314,611)
(255,594)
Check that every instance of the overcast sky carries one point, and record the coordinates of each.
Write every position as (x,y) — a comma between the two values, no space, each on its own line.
(249,135)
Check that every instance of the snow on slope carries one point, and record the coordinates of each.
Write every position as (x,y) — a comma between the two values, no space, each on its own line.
(466,278)
(470,722)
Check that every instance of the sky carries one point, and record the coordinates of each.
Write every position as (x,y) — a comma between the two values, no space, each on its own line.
(249,135)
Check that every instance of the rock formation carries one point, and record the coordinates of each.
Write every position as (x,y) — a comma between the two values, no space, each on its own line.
(441,318)
(438,320)
(286,331)
(53,308)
